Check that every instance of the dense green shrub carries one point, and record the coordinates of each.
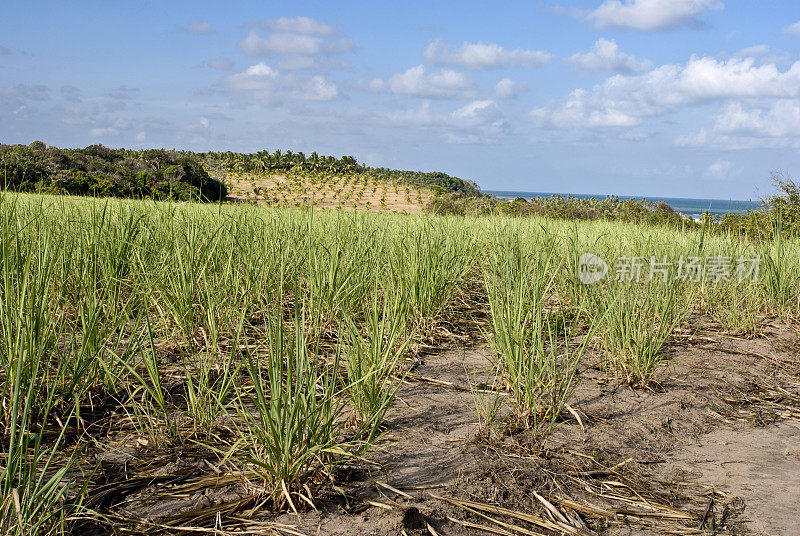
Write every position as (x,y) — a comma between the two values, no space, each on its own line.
(757,224)
(780,211)
(560,207)
(435,179)
(101,171)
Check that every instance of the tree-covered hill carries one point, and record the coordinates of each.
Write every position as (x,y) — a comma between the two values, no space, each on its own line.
(100,171)
(182,175)
(265,162)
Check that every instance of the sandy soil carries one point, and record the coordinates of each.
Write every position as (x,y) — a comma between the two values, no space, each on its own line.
(715,444)
(332,192)
(712,424)
(759,464)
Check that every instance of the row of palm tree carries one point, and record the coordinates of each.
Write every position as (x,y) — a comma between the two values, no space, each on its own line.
(264,161)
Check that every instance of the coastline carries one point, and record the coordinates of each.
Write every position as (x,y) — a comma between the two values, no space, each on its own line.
(689,207)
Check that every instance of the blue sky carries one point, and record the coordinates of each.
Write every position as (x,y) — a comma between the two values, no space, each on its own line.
(676,98)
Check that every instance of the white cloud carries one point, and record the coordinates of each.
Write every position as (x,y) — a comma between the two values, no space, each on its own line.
(419,117)
(281,43)
(780,120)
(258,77)
(739,127)
(301,25)
(319,89)
(269,86)
(508,88)
(141,136)
(649,15)
(301,42)
(441,84)
(376,85)
(793,29)
(124,92)
(33,92)
(260,82)
(483,56)
(606,57)
(19,99)
(479,121)
(204,122)
(721,169)
(753,51)
(198,27)
(706,78)
(699,139)
(221,64)
(623,101)
(106,131)
(764,54)
(737,120)
(582,110)
(477,113)
(71,93)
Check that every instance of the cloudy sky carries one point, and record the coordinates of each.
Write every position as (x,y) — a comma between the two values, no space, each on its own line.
(678,98)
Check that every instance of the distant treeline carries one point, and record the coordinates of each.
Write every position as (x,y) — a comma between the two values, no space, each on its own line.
(440,182)
(778,213)
(179,175)
(266,162)
(560,207)
(184,175)
(100,171)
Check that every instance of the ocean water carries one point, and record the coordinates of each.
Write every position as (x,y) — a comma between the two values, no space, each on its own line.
(690,207)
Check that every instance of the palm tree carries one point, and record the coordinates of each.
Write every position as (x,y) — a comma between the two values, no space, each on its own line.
(262,163)
(238,164)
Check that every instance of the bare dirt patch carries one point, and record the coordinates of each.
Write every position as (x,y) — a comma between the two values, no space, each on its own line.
(712,449)
(330,192)
(706,443)
(759,464)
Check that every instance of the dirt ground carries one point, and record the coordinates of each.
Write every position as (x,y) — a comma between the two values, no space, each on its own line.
(713,448)
(376,196)
(724,422)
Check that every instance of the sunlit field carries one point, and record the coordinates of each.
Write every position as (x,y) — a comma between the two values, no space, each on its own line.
(270,345)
